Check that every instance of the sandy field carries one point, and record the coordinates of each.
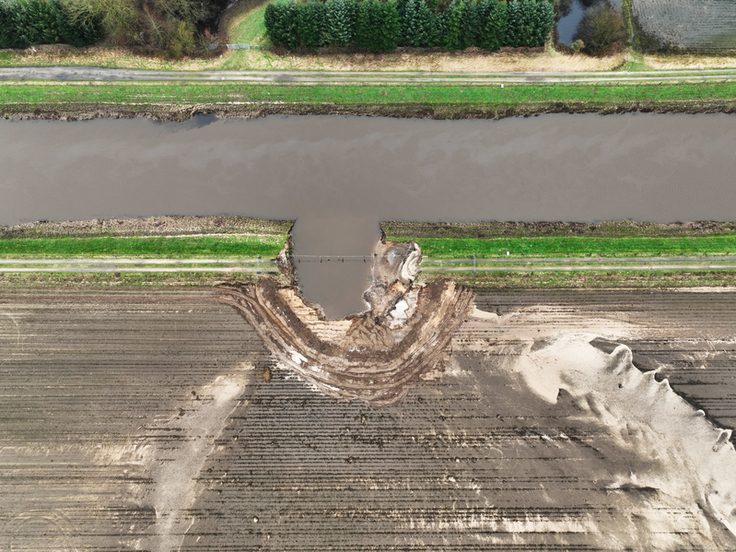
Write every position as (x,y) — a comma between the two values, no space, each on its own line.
(155,419)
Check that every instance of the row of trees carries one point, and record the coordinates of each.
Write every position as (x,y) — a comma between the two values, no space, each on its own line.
(383,25)
(175,27)
(25,22)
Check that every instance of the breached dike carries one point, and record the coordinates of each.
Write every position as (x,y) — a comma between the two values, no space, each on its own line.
(375,356)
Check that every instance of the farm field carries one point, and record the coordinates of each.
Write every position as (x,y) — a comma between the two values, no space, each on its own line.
(128,388)
(705,26)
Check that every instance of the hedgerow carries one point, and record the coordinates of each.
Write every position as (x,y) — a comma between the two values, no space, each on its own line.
(382,25)
(27,22)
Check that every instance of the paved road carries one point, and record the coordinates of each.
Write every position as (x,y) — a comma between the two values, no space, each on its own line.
(86,74)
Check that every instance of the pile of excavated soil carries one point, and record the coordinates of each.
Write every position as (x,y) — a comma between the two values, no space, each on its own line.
(375,356)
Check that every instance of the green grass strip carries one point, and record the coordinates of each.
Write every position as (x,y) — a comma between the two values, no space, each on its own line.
(352,94)
(188,247)
(573,246)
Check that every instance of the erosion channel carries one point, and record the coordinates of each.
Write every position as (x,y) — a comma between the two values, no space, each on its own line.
(439,419)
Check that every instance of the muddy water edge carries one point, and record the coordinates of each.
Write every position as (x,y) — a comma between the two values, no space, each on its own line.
(339,176)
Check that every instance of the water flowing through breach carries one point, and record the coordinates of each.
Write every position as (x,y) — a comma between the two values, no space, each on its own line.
(375,356)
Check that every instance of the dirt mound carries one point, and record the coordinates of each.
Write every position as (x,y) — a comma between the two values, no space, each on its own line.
(375,356)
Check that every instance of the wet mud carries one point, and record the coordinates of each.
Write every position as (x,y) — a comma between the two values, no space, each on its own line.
(375,356)
(180,113)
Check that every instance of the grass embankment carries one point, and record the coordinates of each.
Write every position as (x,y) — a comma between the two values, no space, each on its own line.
(566,239)
(178,100)
(577,246)
(145,247)
(171,238)
(524,241)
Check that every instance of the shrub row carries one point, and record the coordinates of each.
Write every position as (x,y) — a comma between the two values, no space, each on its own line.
(382,26)
(26,22)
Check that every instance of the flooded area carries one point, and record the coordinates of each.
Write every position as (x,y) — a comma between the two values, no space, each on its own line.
(339,176)
(568,23)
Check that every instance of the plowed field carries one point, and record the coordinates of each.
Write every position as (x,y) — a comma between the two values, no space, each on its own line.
(149,420)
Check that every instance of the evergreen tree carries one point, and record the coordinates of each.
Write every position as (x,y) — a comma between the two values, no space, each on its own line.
(528,22)
(493,35)
(340,25)
(417,24)
(36,22)
(8,37)
(454,16)
(484,6)
(389,26)
(78,29)
(470,25)
(307,26)
(401,5)
(281,24)
(514,24)
(437,30)
(319,11)
(271,19)
(364,28)
(544,23)
(408,12)
(424,25)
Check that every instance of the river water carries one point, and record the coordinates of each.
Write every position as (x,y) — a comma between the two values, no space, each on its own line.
(339,176)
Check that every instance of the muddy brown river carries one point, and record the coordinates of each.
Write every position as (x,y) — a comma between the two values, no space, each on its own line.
(339,176)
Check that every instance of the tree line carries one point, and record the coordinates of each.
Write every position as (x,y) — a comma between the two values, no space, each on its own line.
(176,27)
(26,22)
(384,25)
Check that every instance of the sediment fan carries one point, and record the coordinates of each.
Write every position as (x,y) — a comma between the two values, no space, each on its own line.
(375,356)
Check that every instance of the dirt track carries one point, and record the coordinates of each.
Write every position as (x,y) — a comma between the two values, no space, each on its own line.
(132,417)
(80,73)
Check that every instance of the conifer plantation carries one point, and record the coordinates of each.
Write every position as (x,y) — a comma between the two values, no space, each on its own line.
(384,25)
(175,27)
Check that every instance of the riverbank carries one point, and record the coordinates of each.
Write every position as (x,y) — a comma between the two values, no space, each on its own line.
(181,101)
(579,255)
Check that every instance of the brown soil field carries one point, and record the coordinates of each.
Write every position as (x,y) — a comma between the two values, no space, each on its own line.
(157,420)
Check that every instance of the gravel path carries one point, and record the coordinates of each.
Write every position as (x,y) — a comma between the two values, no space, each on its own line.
(85,74)
(510,264)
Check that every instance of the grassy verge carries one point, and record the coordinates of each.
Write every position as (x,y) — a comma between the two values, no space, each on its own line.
(575,246)
(179,100)
(566,239)
(144,247)
(569,240)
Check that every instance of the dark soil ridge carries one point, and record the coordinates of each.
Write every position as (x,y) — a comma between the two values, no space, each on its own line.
(494,229)
(184,112)
(151,226)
